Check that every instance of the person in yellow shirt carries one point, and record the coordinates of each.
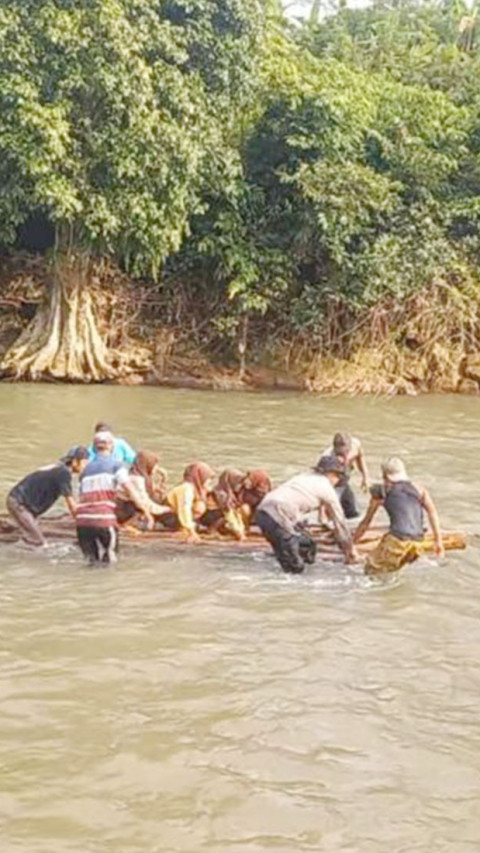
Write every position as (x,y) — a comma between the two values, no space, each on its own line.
(188,500)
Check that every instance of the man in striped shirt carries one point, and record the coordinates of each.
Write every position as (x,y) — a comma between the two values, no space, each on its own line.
(96,521)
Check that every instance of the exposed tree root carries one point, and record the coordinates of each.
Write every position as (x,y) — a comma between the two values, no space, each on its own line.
(63,340)
(97,325)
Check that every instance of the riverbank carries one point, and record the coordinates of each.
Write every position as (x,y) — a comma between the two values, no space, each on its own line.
(426,344)
(333,378)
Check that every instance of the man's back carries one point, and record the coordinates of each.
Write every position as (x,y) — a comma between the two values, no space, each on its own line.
(98,485)
(299,496)
(39,491)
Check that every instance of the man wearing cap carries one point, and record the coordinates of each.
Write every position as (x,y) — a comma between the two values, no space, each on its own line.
(37,492)
(283,509)
(96,519)
(349,452)
(122,450)
(405,504)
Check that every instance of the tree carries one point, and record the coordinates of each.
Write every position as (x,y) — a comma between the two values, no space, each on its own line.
(113,112)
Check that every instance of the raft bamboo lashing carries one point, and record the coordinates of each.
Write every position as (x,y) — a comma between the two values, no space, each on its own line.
(62,527)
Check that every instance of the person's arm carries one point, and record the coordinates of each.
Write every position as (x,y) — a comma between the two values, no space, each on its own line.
(434,520)
(71,504)
(366,521)
(66,490)
(344,537)
(182,499)
(122,479)
(136,499)
(362,467)
(359,462)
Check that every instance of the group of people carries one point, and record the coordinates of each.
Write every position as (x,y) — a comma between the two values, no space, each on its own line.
(119,487)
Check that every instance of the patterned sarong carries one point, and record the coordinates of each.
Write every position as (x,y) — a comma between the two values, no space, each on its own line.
(392,553)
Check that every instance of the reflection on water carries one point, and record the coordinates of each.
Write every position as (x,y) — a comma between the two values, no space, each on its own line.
(190,701)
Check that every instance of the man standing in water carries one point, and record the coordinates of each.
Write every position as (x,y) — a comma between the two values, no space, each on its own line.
(37,493)
(284,508)
(349,453)
(405,504)
(96,519)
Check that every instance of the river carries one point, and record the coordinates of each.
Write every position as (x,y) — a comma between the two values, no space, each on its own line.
(186,702)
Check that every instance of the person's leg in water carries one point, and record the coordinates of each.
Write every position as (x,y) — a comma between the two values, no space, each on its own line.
(285,546)
(289,555)
(307,548)
(89,546)
(348,501)
(28,524)
(108,543)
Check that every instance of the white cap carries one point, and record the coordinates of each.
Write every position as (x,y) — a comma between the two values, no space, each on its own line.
(394,470)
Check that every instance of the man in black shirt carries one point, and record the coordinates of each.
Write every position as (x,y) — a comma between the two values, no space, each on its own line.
(37,492)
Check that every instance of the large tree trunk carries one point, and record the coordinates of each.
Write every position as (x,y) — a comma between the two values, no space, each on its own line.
(63,341)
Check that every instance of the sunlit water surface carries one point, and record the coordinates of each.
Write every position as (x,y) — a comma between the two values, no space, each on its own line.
(187,701)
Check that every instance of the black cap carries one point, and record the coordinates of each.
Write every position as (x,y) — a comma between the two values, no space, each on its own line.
(79,452)
(330,465)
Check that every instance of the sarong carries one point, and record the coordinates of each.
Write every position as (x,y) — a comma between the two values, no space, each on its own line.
(392,553)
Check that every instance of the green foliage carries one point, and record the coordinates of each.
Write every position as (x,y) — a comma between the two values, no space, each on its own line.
(112,112)
(280,166)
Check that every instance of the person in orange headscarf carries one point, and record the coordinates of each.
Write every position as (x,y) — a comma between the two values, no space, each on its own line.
(256,485)
(223,513)
(188,500)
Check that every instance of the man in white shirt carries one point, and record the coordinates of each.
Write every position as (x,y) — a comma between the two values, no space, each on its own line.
(283,509)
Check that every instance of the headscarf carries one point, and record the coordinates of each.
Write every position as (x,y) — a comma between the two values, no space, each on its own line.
(229,488)
(256,485)
(198,473)
(147,465)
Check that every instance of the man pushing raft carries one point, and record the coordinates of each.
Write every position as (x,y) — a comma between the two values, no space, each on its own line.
(405,504)
(282,511)
(37,492)
(114,491)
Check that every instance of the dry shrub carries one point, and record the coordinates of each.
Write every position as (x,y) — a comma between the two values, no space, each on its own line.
(399,346)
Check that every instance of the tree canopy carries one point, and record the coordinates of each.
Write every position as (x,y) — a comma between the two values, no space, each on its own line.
(271,166)
(114,111)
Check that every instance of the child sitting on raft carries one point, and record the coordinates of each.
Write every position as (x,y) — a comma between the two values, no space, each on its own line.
(150,481)
(187,502)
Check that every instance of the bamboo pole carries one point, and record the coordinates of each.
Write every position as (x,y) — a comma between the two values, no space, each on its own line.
(62,527)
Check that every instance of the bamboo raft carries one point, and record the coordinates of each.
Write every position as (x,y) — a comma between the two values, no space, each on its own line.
(63,528)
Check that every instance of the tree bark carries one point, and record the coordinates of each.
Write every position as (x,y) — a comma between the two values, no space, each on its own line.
(63,341)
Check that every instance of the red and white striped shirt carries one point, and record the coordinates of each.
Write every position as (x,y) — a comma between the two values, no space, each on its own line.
(98,485)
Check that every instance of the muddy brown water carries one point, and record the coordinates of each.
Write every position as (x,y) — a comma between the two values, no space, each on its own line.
(187,702)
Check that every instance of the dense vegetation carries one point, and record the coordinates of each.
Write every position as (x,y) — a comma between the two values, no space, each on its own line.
(314,182)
